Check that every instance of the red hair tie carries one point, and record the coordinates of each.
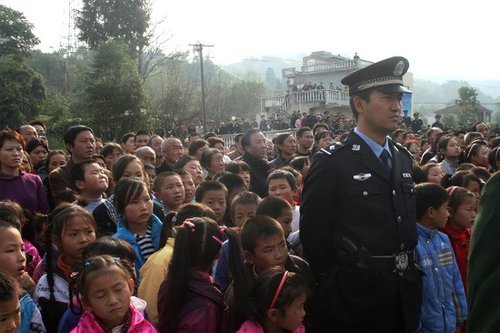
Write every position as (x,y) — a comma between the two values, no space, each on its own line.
(188,224)
(278,291)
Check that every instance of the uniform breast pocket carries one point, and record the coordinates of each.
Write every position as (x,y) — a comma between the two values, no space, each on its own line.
(364,198)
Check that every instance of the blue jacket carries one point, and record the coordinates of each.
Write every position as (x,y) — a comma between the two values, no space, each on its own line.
(127,235)
(444,306)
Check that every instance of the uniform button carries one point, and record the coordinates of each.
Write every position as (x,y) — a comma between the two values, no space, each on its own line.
(436,269)
(365,193)
(403,246)
(400,219)
(394,192)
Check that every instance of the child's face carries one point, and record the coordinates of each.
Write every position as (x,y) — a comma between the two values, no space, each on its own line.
(111,158)
(108,295)
(172,192)
(435,174)
(294,314)
(269,251)
(452,149)
(75,237)
(95,180)
(481,157)
(440,216)
(56,161)
(281,188)
(463,216)
(194,169)
(285,219)
(475,188)
(12,255)
(243,213)
(140,210)
(189,188)
(133,169)
(10,315)
(217,201)
(246,177)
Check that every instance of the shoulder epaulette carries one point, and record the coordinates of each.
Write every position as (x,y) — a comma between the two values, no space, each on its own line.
(331,149)
(402,148)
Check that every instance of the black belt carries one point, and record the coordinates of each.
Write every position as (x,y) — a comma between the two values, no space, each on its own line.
(396,263)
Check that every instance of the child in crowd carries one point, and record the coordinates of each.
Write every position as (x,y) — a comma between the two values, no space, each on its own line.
(243,208)
(72,229)
(433,172)
(444,307)
(155,269)
(465,179)
(106,215)
(189,185)
(188,301)
(264,246)
(10,309)
(235,185)
(106,288)
(462,208)
(297,195)
(277,303)
(91,182)
(213,194)
(281,183)
(139,226)
(450,151)
(106,245)
(241,169)
(169,191)
(13,264)
(150,173)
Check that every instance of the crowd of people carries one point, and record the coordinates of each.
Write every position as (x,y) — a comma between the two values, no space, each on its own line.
(184,234)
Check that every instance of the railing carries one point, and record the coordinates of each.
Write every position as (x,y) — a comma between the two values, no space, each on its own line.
(315,96)
(348,64)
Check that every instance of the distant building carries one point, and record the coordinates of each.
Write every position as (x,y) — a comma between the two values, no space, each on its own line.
(482,113)
(317,87)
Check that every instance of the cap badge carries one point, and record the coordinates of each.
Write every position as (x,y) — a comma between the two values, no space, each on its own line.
(399,69)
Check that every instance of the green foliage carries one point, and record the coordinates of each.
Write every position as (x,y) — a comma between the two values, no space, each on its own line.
(21,92)
(449,121)
(113,97)
(56,108)
(467,96)
(100,21)
(16,36)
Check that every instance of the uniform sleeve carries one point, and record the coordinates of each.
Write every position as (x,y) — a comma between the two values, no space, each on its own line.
(316,214)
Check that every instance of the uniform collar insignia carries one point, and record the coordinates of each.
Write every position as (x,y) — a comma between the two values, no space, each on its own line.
(355,147)
(406,175)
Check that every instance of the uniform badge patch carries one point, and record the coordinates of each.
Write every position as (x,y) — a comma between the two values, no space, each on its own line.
(406,175)
(355,147)
(362,176)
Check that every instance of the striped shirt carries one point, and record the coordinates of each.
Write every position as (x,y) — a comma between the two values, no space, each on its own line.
(145,243)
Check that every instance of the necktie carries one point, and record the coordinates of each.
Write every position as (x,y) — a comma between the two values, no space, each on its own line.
(384,159)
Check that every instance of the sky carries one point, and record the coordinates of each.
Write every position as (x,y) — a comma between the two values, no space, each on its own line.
(442,39)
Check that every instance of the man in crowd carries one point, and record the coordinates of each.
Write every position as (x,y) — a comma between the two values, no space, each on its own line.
(416,123)
(141,138)
(254,144)
(305,140)
(172,149)
(358,221)
(28,133)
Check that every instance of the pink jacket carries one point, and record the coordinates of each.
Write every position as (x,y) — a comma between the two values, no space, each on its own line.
(252,327)
(88,323)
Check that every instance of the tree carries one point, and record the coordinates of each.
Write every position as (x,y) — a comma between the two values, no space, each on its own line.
(16,36)
(113,95)
(21,92)
(467,96)
(99,21)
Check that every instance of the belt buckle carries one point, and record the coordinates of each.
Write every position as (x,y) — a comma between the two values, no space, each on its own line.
(401,261)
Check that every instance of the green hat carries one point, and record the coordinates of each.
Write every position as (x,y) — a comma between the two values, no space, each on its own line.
(385,75)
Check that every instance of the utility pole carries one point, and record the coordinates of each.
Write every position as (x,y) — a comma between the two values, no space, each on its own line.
(199,47)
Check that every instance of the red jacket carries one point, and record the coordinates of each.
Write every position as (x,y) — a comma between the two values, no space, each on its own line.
(460,240)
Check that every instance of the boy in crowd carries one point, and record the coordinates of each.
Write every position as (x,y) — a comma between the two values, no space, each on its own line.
(282,183)
(169,191)
(444,307)
(91,182)
(213,194)
(189,185)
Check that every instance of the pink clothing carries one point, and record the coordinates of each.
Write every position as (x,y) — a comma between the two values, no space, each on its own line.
(32,251)
(252,327)
(88,323)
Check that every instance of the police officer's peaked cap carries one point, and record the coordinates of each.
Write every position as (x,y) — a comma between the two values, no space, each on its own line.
(385,75)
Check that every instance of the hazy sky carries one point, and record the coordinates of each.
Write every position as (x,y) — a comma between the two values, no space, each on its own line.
(446,39)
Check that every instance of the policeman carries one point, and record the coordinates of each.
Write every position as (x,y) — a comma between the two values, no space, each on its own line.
(358,224)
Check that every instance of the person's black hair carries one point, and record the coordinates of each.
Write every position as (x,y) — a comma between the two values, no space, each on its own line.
(473,149)
(273,206)
(474,127)
(58,219)
(152,137)
(127,136)
(237,166)
(9,288)
(126,191)
(110,147)
(266,288)
(209,135)
(72,133)
(280,138)
(320,125)
(196,247)
(78,171)
(31,145)
(481,173)
(442,144)
(457,196)
(195,145)
(418,175)
(493,157)
(208,185)
(299,162)
(158,181)
(282,174)
(246,138)
(39,123)
(212,141)
(256,228)
(245,198)
(300,131)
(429,195)
(51,154)
(460,178)
(121,164)
(237,137)
(175,219)
(364,95)
(183,160)
(232,182)
(397,132)
(142,132)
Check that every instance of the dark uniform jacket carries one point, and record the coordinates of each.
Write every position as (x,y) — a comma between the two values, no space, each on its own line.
(354,219)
